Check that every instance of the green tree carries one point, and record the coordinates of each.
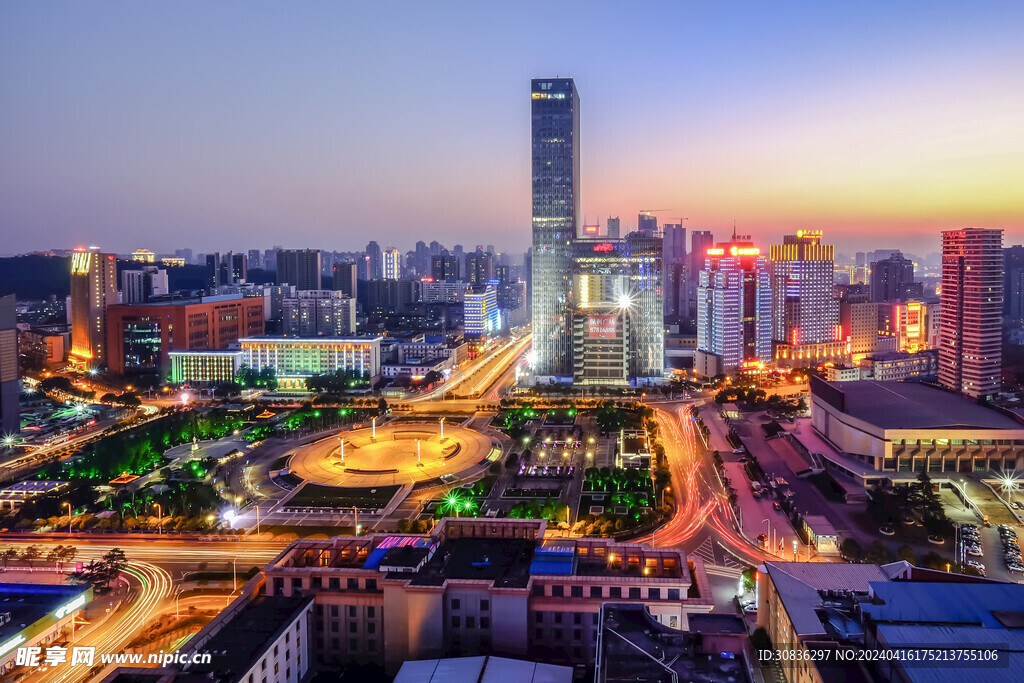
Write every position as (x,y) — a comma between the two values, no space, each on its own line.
(905,552)
(749,581)
(877,553)
(31,554)
(7,555)
(850,550)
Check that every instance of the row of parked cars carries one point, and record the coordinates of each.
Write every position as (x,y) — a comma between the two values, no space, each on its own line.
(970,544)
(1011,549)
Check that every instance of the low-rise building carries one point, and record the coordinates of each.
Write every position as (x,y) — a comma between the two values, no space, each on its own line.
(204,367)
(899,366)
(842,372)
(34,615)
(913,427)
(17,494)
(293,359)
(481,586)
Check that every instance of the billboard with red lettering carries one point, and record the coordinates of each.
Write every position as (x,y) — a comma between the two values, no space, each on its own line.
(602,326)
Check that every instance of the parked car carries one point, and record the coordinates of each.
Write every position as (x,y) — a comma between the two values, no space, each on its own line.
(737,451)
(974,551)
(776,506)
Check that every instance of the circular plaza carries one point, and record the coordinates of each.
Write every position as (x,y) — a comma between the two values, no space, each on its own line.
(395,453)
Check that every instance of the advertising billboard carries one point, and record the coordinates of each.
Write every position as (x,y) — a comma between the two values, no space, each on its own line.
(602,326)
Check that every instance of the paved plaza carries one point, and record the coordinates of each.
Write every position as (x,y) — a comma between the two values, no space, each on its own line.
(399,453)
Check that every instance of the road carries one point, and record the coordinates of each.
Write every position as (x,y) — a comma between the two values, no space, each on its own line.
(480,376)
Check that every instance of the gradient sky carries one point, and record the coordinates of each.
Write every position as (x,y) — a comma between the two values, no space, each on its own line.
(232,125)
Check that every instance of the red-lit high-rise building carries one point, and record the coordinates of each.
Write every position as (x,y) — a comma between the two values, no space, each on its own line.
(970,327)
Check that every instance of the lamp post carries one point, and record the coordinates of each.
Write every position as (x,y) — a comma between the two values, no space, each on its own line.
(257,520)
(442,427)
(375,428)
(160,518)
(70,515)
(768,531)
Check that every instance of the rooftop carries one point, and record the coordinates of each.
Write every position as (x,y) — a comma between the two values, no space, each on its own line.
(481,670)
(241,641)
(504,561)
(908,405)
(30,602)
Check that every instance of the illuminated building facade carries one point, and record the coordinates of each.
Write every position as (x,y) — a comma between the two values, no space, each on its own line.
(143,256)
(916,325)
(294,359)
(618,316)
(734,309)
(480,312)
(204,367)
(392,264)
(93,289)
(173,262)
(10,415)
(804,309)
(970,330)
(141,336)
(555,110)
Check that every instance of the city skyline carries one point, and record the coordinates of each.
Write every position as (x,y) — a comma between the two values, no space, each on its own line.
(866,130)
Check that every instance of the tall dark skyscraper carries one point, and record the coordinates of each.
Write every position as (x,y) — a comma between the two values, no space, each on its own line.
(700,242)
(674,264)
(345,278)
(612,227)
(1013,283)
(299,267)
(646,223)
(10,418)
(890,278)
(376,260)
(555,108)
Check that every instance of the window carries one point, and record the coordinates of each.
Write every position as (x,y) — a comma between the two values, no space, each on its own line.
(263,665)
(595,619)
(287,638)
(673,593)
(485,622)
(371,645)
(353,584)
(319,610)
(558,591)
(456,604)
(485,605)
(470,622)
(318,582)
(577,618)
(654,593)
(595,591)
(576,591)
(538,590)
(353,644)
(456,621)
(352,611)
(558,617)
(335,584)
(296,585)
(558,634)
(634,593)
(371,612)
(275,650)
(577,634)
(275,668)
(287,655)
(538,617)
(615,592)
(371,584)
(334,610)
(352,627)
(538,634)
(371,627)
(288,672)
(335,644)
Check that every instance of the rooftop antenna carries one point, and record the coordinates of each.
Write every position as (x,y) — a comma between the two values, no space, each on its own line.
(733,229)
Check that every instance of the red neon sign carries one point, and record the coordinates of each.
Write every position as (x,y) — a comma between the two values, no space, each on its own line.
(604,246)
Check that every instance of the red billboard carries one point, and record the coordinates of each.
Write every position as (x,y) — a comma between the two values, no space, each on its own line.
(602,326)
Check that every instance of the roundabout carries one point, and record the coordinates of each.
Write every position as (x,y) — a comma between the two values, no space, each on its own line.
(396,453)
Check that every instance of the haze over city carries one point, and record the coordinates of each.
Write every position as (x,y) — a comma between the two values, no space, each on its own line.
(130,125)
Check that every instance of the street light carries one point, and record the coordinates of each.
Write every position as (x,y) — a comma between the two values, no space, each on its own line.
(160,518)
(70,515)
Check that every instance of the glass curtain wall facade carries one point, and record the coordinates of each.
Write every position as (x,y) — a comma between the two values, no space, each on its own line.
(555,107)
(646,309)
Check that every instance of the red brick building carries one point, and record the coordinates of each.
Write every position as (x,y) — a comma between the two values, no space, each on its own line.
(139,336)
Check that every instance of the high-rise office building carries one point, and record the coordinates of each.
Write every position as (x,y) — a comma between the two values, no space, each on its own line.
(93,288)
(10,415)
(674,264)
(555,112)
(392,264)
(445,267)
(734,306)
(646,308)
(646,223)
(255,259)
(239,265)
(479,268)
(481,317)
(970,328)
(299,267)
(319,313)
(421,263)
(376,260)
(138,285)
(270,260)
(612,228)
(1013,283)
(804,309)
(345,278)
(213,274)
(890,277)
(700,242)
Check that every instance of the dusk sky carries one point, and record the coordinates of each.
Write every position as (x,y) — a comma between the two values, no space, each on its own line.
(231,125)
